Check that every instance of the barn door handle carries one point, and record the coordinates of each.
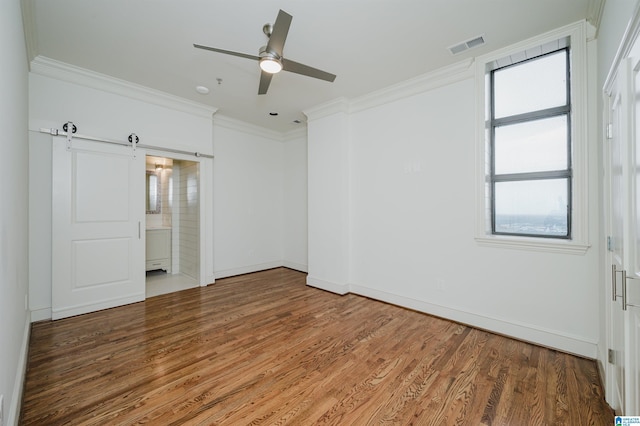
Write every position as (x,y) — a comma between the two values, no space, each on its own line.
(625,302)
(624,289)
(614,293)
(613,282)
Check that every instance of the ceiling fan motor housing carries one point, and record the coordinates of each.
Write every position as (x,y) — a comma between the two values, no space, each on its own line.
(265,53)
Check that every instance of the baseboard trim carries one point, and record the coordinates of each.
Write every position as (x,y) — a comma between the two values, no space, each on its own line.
(328,285)
(525,332)
(41,314)
(97,306)
(295,266)
(21,372)
(209,279)
(247,269)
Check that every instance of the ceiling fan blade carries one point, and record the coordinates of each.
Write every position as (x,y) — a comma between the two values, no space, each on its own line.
(265,80)
(279,33)
(227,52)
(298,68)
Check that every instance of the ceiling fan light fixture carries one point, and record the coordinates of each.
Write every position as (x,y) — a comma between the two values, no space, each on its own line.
(270,65)
(270,61)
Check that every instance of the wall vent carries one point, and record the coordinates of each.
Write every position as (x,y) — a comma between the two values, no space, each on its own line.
(465,45)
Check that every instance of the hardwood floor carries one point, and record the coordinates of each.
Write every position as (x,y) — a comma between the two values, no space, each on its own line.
(266,349)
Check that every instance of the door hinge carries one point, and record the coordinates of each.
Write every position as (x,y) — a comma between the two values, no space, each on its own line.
(609,131)
(609,243)
(611,356)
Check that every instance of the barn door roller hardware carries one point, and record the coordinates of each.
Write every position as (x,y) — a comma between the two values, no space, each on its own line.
(133,140)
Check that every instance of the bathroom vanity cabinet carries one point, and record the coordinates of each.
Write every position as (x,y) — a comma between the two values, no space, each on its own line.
(158,249)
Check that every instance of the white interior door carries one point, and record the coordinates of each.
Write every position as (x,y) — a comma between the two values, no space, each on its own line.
(616,245)
(631,288)
(624,228)
(98,229)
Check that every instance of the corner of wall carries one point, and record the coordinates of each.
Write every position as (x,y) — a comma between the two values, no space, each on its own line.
(295,266)
(333,287)
(21,371)
(243,127)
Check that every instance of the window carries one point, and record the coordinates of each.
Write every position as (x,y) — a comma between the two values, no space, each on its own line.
(530,147)
(532,167)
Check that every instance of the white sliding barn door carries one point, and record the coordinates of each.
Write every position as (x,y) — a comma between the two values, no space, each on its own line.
(98,227)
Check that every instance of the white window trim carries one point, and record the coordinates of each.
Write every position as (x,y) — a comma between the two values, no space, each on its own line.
(579,243)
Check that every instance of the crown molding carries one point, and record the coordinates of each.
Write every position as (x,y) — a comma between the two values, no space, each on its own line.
(244,127)
(30,30)
(47,67)
(438,78)
(340,105)
(577,31)
(629,38)
(594,15)
(441,77)
(299,133)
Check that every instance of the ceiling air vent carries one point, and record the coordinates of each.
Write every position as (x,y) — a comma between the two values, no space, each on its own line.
(469,44)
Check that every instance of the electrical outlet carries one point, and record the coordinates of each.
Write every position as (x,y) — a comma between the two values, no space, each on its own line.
(440,284)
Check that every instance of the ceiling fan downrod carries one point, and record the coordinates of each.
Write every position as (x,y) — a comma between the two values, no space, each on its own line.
(267,29)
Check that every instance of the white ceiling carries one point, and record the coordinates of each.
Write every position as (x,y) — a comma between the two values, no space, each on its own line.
(368,44)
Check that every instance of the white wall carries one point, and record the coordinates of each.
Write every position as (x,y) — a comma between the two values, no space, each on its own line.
(328,194)
(249,196)
(411,225)
(260,208)
(295,201)
(14,209)
(40,214)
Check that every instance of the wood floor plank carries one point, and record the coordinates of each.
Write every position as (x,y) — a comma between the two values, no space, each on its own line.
(264,348)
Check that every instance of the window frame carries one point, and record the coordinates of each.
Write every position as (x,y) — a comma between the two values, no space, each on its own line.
(530,116)
(576,37)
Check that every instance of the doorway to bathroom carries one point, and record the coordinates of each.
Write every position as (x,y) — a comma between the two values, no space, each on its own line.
(172,222)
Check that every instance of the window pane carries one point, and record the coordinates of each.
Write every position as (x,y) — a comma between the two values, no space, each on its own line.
(537,207)
(533,146)
(532,86)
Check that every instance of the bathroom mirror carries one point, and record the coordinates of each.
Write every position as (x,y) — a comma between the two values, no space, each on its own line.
(153,192)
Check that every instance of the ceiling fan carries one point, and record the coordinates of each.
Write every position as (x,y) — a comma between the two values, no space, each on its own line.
(271,58)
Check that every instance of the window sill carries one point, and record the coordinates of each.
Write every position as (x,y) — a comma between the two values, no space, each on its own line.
(534,244)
